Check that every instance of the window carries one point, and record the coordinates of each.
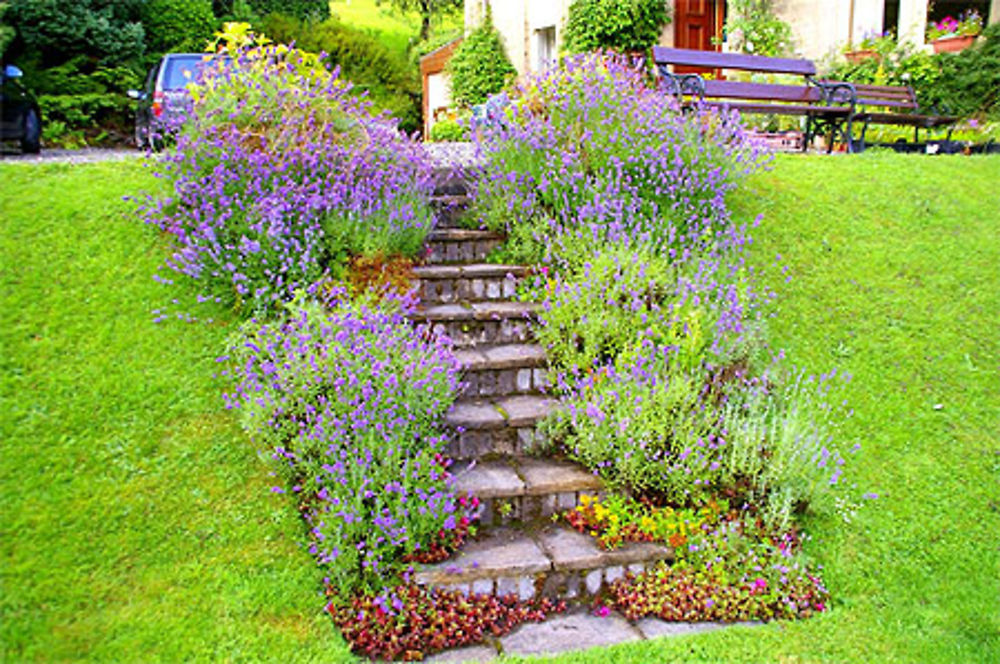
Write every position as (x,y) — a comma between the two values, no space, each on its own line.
(545,45)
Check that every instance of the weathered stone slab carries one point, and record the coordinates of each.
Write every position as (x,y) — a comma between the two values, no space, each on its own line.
(445,312)
(510,356)
(474,415)
(504,553)
(522,411)
(571,550)
(485,270)
(489,479)
(469,358)
(548,476)
(570,632)
(498,310)
(462,235)
(652,628)
(468,655)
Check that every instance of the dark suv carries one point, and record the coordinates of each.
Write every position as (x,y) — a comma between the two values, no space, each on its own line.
(164,93)
(20,118)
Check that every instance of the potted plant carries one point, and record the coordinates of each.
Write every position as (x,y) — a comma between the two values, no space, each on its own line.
(951,35)
(871,47)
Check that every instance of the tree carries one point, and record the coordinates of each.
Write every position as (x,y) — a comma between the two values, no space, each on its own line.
(480,66)
(619,25)
(309,10)
(178,25)
(427,9)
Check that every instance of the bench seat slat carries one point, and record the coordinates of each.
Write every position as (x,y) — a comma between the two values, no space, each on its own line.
(909,119)
(781,109)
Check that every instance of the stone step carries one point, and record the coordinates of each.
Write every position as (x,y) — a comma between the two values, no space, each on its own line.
(512,489)
(460,245)
(480,323)
(449,210)
(501,426)
(553,561)
(447,284)
(501,370)
(450,182)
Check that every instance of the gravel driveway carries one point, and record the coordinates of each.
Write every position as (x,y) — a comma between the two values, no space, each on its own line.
(84,156)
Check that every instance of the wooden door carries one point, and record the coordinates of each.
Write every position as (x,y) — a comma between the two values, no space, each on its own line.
(697,25)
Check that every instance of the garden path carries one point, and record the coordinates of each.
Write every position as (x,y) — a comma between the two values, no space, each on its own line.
(522,549)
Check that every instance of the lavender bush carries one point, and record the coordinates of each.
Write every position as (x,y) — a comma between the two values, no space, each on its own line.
(348,398)
(650,317)
(280,173)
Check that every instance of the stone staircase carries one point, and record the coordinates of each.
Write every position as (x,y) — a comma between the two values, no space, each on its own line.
(520,549)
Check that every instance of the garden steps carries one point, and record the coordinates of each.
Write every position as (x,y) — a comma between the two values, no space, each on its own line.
(503,370)
(500,426)
(548,560)
(449,284)
(460,245)
(479,323)
(449,210)
(520,489)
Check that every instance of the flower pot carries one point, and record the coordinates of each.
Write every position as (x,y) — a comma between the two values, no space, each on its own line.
(953,44)
(859,56)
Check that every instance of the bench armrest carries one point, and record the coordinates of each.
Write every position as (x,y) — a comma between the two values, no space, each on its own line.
(682,84)
(836,92)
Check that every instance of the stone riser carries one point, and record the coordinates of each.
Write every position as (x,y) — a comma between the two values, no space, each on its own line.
(466,333)
(448,212)
(504,441)
(442,252)
(520,509)
(581,586)
(450,291)
(497,382)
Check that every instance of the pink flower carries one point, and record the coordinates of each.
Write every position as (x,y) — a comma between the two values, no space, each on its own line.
(602,612)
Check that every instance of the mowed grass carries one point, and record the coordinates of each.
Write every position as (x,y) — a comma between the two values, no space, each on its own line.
(135,518)
(396,29)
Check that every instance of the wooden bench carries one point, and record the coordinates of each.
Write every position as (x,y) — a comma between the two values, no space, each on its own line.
(828,106)
(894,105)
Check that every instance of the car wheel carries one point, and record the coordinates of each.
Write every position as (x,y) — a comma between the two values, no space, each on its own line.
(31,140)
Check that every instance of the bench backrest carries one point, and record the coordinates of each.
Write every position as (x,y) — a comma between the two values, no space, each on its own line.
(890,96)
(716,89)
(685,57)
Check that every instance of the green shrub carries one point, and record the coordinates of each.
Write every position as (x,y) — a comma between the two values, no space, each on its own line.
(448,130)
(390,81)
(969,82)
(753,27)
(308,10)
(480,66)
(618,25)
(178,25)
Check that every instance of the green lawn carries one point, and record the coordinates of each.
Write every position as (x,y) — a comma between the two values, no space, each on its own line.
(135,518)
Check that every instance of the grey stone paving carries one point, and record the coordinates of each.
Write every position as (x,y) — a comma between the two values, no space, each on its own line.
(568,632)
(489,479)
(543,476)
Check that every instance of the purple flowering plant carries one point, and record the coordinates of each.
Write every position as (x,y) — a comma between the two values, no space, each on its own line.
(281,172)
(347,398)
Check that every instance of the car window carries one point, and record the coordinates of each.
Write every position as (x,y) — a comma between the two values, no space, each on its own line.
(180,72)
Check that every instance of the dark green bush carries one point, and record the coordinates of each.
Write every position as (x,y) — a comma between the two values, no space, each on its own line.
(54,31)
(970,81)
(178,25)
(618,25)
(480,66)
(307,10)
(391,82)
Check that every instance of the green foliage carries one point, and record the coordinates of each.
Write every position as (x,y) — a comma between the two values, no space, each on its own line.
(363,59)
(427,9)
(307,10)
(752,27)
(178,25)
(79,102)
(6,31)
(110,32)
(970,81)
(966,83)
(480,66)
(448,130)
(618,25)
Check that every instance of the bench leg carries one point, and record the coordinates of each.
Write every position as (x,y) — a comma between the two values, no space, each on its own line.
(807,139)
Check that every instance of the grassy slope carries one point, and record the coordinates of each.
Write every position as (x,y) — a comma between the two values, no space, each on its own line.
(394,28)
(135,518)
(895,279)
(135,521)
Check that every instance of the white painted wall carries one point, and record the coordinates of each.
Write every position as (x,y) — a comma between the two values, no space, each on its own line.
(438,94)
